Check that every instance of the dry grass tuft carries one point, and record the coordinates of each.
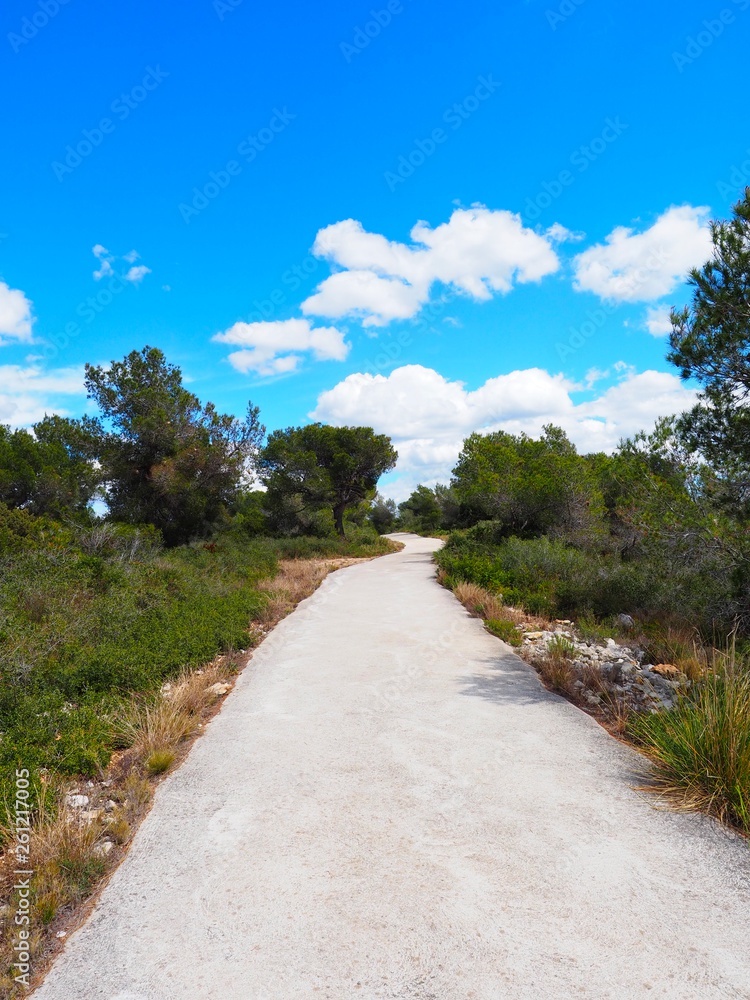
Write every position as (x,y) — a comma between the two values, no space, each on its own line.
(556,668)
(478,601)
(682,647)
(148,728)
(296,580)
(195,691)
(67,868)
(557,673)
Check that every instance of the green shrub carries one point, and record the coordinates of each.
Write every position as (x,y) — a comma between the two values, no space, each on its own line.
(553,579)
(561,648)
(504,630)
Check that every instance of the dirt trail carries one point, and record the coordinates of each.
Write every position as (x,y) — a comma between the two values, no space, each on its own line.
(390,806)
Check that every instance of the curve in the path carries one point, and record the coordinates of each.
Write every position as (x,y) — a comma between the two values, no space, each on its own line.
(390,806)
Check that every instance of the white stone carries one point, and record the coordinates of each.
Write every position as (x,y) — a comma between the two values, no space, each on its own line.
(75,801)
(219,689)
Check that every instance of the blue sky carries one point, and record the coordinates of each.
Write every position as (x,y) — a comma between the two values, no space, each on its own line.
(255,174)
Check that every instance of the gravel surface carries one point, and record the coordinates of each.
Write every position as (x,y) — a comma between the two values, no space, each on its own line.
(389,805)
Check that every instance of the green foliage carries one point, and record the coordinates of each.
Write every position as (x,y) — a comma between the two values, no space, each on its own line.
(20,530)
(504,630)
(709,344)
(168,460)
(421,512)
(382,514)
(701,749)
(591,630)
(529,488)
(249,513)
(49,472)
(360,543)
(80,631)
(317,467)
(547,577)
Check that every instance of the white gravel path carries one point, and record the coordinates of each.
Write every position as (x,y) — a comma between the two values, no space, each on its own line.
(390,806)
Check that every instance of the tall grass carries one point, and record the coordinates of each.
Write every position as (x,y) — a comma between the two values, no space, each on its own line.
(700,750)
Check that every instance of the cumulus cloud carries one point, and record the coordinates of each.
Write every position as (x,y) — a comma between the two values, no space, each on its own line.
(137,273)
(15,315)
(429,416)
(275,348)
(658,321)
(635,266)
(477,253)
(107,260)
(26,394)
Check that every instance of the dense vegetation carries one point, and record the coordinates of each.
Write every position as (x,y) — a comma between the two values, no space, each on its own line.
(99,609)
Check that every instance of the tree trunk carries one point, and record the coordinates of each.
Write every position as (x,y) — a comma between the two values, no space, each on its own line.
(338,517)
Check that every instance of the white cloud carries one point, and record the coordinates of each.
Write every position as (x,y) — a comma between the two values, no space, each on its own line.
(276,347)
(15,314)
(594,375)
(478,253)
(658,322)
(363,294)
(561,234)
(107,260)
(635,266)
(26,394)
(137,273)
(429,416)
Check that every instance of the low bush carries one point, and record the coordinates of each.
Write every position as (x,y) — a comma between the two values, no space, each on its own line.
(553,579)
(505,630)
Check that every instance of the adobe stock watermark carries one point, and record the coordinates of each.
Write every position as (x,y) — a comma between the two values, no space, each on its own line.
(739,179)
(581,158)
(224,7)
(711,29)
(249,150)
(87,311)
(563,13)
(365,34)
(20,818)
(391,351)
(293,278)
(455,116)
(122,107)
(597,318)
(31,26)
